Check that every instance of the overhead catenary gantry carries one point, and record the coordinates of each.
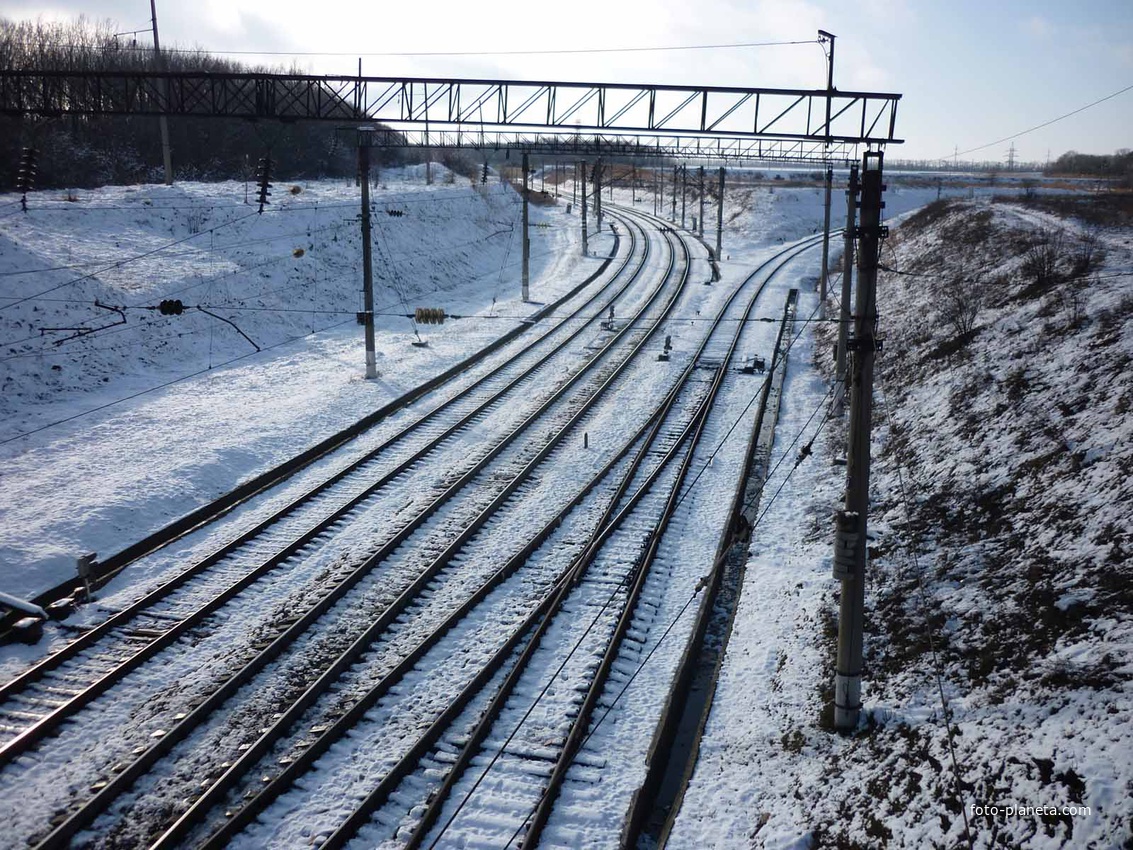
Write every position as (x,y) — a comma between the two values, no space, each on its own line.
(703,121)
(570,118)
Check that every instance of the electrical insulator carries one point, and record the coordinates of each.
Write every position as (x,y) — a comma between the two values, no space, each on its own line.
(25,176)
(484,174)
(429,315)
(171,307)
(263,177)
(395,213)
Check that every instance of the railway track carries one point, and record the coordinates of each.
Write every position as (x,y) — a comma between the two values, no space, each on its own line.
(120,776)
(378,678)
(512,770)
(145,625)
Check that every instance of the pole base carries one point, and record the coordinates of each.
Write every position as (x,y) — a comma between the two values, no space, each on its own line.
(847,701)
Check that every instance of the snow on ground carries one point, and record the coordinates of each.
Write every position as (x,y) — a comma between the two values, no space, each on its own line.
(130,457)
(1015,444)
(1021,419)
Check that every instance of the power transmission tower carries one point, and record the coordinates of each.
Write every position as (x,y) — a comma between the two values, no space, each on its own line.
(850,538)
(1011,157)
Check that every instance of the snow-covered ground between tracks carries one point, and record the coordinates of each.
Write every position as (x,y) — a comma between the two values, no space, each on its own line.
(134,457)
(1016,446)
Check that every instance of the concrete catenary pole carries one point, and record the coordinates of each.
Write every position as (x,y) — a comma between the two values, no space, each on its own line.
(582,202)
(676,176)
(598,196)
(700,191)
(850,540)
(163,122)
(847,282)
(720,216)
(526,237)
(825,246)
(684,192)
(365,139)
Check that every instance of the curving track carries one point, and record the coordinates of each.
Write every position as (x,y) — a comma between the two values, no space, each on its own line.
(370,633)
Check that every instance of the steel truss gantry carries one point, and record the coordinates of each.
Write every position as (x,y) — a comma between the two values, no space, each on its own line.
(715,121)
(620,146)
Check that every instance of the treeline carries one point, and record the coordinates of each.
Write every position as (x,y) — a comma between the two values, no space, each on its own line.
(1117,166)
(81,151)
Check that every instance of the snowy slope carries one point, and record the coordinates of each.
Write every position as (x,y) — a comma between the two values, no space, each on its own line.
(1013,445)
(138,453)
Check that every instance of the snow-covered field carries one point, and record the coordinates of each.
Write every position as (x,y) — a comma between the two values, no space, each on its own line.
(163,413)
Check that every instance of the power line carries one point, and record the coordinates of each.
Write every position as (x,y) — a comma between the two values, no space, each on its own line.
(126,261)
(436,53)
(1039,126)
(167,383)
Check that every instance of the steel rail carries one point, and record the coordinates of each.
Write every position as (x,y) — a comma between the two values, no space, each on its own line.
(23,741)
(111,566)
(579,725)
(124,777)
(235,823)
(286,778)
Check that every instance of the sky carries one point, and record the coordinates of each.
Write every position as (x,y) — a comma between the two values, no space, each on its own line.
(972,74)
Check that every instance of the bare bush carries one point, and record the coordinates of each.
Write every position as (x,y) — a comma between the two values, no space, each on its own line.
(961,302)
(1040,262)
(1089,253)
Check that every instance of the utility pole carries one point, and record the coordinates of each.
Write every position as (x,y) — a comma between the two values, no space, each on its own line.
(823,38)
(163,122)
(847,278)
(720,217)
(850,538)
(582,170)
(676,175)
(700,189)
(598,195)
(526,238)
(825,246)
(365,140)
(684,192)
